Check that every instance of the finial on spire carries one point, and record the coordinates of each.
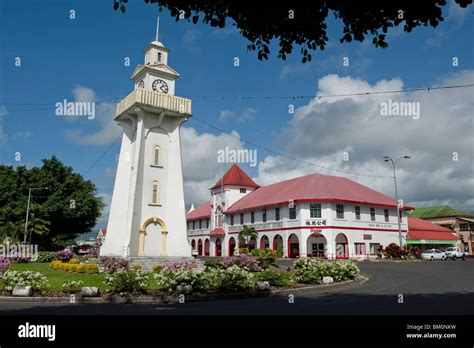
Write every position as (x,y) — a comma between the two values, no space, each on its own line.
(157,27)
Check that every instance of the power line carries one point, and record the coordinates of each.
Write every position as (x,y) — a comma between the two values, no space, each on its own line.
(102,155)
(317,96)
(287,156)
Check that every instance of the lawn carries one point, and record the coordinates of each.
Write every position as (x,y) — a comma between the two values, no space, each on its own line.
(57,278)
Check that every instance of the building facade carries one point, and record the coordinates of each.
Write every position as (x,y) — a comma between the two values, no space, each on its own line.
(314,215)
(459,221)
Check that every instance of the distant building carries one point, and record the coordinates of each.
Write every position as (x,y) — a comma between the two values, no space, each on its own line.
(459,221)
(426,235)
(314,215)
(101,235)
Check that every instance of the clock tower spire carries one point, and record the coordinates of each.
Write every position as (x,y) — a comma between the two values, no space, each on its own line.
(155,74)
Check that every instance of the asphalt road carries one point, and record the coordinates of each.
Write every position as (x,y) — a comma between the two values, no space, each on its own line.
(427,288)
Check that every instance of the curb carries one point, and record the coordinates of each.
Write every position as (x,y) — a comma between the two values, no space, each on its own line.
(170,299)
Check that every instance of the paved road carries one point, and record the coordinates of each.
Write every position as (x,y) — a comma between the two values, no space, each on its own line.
(427,288)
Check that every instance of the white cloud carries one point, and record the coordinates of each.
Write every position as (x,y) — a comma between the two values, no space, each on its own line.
(436,40)
(200,167)
(323,129)
(298,69)
(246,115)
(190,36)
(108,129)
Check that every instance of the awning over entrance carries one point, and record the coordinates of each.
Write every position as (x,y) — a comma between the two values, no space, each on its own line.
(424,232)
(218,232)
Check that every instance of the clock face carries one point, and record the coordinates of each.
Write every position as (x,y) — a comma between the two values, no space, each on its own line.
(141,84)
(160,86)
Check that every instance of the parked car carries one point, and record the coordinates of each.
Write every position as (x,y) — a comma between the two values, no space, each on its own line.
(455,253)
(434,254)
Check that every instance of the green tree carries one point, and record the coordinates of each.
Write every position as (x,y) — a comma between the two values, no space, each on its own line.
(247,233)
(307,27)
(67,209)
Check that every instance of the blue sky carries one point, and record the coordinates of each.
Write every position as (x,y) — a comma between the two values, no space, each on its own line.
(63,58)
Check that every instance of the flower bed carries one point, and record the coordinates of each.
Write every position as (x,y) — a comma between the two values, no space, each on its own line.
(74,267)
(311,271)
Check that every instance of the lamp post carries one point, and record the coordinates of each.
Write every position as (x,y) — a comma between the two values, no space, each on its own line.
(386,159)
(28,209)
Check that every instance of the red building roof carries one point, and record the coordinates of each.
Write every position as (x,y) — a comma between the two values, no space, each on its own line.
(313,187)
(422,229)
(235,177)
(218,232)
(203,211)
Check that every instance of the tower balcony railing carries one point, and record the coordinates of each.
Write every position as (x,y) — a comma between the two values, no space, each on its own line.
(154,99)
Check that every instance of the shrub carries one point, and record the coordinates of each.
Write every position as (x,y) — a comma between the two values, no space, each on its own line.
(111,264)
(157,268)
(122,281)
(36,280)
(247,263)
(73,285)
(64,255)
(393,251)
(168,279)
(212,264)
(45,256)
(178,265)
(311,271)
(4,266)
(136,266)
(235,278)
(265,257)
(74,267)
(243,250)
(74,261)
(275,278)
(209,280)
(21,259)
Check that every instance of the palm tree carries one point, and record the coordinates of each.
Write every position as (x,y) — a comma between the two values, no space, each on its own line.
(247,234)
(37,225)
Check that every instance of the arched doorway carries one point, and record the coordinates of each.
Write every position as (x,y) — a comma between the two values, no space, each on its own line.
(150,245)
(218,251)
(316,245)
(293,246)
(252,244)
(342,246)
(278,244)
(207,247)
(193,245)
(200,247)
(231,246)
(264,242)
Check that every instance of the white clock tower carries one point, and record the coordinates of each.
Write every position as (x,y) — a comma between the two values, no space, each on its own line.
(147,214)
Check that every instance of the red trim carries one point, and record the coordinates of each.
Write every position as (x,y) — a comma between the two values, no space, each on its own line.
(290,254)
(306,200)
(326,227)
(261,240)
(198,235)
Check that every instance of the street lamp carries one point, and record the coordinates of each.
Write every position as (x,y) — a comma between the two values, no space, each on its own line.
(28,209)
(386,159)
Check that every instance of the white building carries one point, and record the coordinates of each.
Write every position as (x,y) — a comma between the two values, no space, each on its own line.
(147,214)
(313,215)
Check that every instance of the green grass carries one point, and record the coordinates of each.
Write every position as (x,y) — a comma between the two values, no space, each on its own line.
(57,278)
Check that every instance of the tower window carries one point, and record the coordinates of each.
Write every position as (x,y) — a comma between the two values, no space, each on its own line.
(154,198)
(264,215)
(243,190)
(159,56)
(156,155)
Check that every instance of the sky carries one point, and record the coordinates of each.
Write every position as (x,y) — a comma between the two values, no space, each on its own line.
(82,59)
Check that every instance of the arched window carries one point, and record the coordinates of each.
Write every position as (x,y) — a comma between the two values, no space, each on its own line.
(156,155)
(155,193)
(159,56)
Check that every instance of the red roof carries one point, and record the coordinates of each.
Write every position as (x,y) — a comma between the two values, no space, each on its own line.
(422,229)
(217,232)
(236,177)
(203,211)
(313,187)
